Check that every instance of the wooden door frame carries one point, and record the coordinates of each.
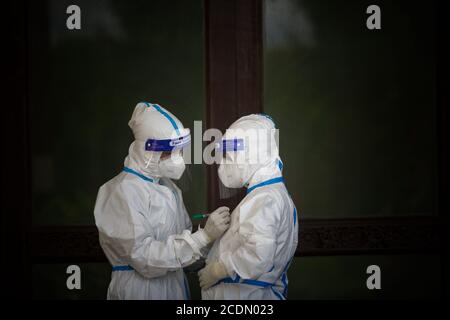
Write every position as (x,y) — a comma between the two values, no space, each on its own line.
(234,86)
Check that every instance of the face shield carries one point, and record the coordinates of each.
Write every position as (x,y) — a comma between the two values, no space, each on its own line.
(243,152)
(233,166)
(168,145)
(171,163)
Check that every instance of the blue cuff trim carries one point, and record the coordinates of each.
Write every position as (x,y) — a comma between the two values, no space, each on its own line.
(122,268)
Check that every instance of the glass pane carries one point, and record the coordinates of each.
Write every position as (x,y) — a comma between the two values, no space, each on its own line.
(84,85)
(355,107)
(344,277)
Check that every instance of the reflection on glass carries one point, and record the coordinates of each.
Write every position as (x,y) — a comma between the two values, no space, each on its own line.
(84,85)
(355,107)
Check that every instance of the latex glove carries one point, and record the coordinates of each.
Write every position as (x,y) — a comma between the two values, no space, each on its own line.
(211,274)
(218,222)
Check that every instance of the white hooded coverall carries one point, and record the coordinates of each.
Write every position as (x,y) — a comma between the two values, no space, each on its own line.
(259,246)
(143,225)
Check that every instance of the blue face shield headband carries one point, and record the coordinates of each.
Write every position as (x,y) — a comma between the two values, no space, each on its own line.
(230,145)
(167,144)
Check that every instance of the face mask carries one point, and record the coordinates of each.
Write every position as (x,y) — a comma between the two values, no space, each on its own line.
(231,175)
(172,167)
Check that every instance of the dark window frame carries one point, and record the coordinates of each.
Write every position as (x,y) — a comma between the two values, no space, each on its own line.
(234,86)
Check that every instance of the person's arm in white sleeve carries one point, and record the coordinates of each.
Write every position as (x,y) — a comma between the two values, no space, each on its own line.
(259,220)
(135,243)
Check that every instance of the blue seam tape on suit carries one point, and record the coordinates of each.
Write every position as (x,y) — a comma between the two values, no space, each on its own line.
(165,114)
(265,183)
(122,268)
(129,170)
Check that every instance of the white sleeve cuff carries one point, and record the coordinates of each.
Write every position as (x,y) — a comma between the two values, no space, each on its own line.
(201,238)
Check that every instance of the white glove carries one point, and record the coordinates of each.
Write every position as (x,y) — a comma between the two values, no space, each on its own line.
(211,274)
(218,222)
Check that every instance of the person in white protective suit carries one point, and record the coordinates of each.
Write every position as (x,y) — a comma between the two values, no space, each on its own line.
(143,225)
(251,259)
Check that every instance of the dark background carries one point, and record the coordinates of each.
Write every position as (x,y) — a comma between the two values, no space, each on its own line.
(362,117)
